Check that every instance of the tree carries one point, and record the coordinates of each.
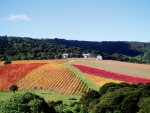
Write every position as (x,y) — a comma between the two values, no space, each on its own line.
(129,104)
(144,105)
(26,103)
(106,86)
(147,56)
(88,97)
(13,88)
(59,56)
(7,62)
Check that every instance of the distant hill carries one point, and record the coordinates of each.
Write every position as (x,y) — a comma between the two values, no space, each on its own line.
(111,47)
(24,48)
(18,48)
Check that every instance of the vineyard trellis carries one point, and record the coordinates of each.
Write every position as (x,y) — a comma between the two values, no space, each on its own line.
(54,77)
(11,73)
(115,76)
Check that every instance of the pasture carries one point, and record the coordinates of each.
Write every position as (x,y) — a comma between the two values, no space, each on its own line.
(47,95)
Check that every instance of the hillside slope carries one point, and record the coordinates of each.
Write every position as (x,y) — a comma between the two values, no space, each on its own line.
(111,47)
(24,48)
(16,48)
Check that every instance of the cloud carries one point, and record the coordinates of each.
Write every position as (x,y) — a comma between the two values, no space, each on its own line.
(17,17)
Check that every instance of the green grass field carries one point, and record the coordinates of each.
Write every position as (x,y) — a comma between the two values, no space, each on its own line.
(47,95)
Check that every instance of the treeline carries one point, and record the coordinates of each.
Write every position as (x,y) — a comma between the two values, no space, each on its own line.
(111,98)
(111,47)
(17,48)
(135,52)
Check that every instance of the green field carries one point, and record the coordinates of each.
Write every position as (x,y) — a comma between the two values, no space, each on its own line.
(47,95)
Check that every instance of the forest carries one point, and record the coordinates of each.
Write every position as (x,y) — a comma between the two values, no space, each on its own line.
(25,48)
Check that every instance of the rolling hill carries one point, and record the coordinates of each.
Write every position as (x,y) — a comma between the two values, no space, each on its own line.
(90,82)
(24,48)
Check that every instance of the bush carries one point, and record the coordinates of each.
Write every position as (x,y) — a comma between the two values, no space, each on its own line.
(99,108)
(129,104)
(74,103)
(89,96)
(58,102)
(7,62)
(25,103)
(144,105)
(105,87)
(93,103)
(13,88)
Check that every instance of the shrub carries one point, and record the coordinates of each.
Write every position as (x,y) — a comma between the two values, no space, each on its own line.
(89,96)
(129,104)
(25,103)
(13,88)
(105,87)
(7,62)
(58,102)
(74,103)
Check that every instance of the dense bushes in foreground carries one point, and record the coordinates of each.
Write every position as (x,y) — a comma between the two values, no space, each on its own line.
(25,103)
(118,98)
(111,98)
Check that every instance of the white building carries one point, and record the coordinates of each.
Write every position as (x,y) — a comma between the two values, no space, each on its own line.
(87,55)
(99,57)
(65,55)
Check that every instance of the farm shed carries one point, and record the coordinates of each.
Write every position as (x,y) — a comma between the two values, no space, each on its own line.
(99,57)
(65,55)
(87,55)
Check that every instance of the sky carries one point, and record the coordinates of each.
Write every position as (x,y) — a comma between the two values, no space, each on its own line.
(86,20)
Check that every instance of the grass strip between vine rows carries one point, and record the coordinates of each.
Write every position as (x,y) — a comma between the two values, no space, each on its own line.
(83,77)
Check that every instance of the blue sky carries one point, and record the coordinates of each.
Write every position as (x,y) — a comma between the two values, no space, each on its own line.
(89,20)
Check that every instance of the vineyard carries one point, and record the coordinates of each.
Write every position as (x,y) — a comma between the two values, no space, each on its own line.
(69,76)
(11,73)
(50,75)
(54,77)
(100,81)
(131,69)
(115,76)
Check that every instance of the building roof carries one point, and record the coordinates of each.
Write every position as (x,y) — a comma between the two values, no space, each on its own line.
(87,54)
(65,54)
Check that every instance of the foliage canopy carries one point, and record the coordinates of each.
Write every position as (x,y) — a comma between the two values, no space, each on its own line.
(25,103)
